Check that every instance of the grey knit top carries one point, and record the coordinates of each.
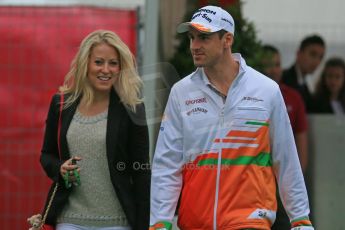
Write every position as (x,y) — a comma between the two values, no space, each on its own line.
(94,202)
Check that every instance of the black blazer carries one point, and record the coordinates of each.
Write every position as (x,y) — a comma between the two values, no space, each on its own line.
(127,145)
(290,79)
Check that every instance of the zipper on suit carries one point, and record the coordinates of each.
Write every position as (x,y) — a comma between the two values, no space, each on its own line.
(219,165)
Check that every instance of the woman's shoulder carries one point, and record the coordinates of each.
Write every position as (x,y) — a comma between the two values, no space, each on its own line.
(57,98)
(138,116)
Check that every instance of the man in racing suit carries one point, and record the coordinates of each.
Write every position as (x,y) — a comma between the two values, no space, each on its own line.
(224,141)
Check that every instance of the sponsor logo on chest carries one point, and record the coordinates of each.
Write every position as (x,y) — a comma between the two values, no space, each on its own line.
(196,101)
(197,110)
(253,99)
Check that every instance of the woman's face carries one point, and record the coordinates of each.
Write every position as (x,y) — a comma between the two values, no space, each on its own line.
(334,78)
(103,67)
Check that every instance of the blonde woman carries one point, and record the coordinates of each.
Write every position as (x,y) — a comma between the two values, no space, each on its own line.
(104,174)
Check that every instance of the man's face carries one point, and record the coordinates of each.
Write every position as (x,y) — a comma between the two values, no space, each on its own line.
(206,48)
(309,58)
(272,67)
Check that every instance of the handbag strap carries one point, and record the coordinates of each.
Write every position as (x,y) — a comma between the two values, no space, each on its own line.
(59,149)
(49,205)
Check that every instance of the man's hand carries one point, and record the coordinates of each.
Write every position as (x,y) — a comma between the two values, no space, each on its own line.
(163,225)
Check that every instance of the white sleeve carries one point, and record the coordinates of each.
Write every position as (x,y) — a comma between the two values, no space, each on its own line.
(166,180)
(286,164)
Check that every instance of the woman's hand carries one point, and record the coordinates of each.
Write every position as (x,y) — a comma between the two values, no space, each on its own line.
(68,167)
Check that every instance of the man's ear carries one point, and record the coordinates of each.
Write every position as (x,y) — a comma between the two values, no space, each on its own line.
(229,40)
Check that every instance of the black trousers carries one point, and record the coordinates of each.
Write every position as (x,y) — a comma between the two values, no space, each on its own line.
(282,220)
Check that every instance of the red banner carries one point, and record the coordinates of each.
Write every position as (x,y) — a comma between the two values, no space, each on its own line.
(37,45)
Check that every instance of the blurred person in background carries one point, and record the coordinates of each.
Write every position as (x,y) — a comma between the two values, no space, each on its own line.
(293,101)
(271,63)
(330,89)
(309,56)
(103,127)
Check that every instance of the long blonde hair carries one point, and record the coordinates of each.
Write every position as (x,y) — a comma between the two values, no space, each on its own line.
(128,84)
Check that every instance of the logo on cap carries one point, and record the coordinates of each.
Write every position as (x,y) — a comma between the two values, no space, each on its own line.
(209,19)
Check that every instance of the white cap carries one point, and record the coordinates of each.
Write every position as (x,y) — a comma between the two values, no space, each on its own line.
(209,19)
